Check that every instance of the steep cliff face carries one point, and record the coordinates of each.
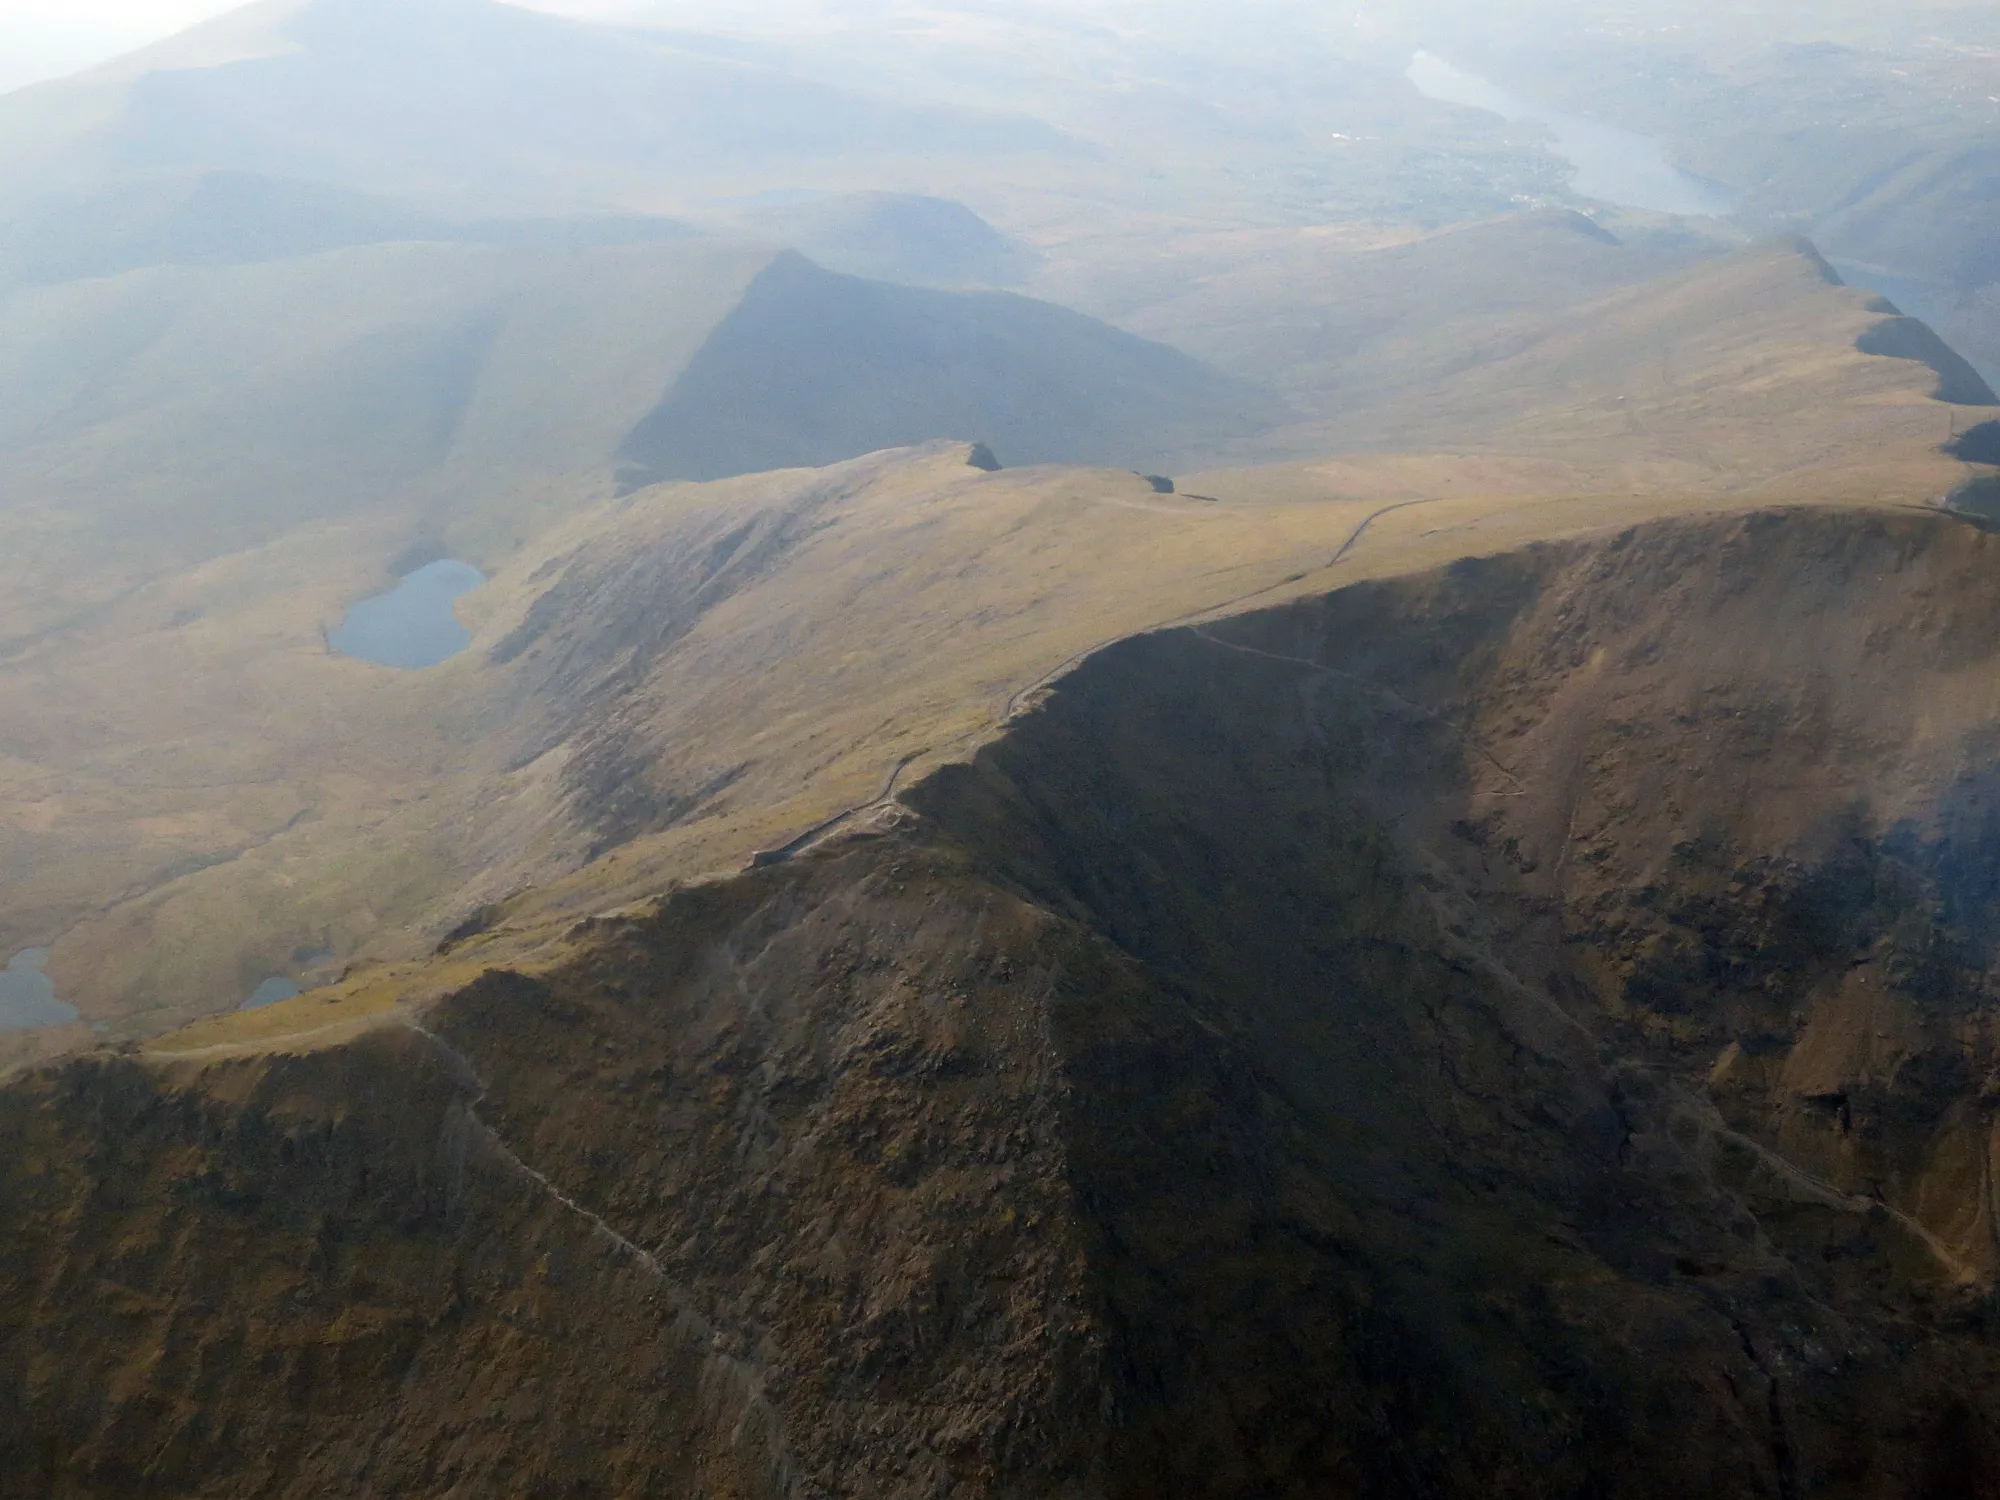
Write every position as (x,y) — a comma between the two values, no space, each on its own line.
(320,1275)
(1519,1031)
(1613,919)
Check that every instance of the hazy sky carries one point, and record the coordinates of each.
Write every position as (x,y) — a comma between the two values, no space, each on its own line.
(48,38)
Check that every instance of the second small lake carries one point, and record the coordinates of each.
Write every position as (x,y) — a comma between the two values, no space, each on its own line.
(270,992)
(1616,166)
(413,625)
(28,996)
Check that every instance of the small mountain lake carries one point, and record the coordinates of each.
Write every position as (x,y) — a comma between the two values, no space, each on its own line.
(1610,164)
(28,996)
(270,992)
(414,625)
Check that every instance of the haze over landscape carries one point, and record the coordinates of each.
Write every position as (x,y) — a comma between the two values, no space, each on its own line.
(962,748)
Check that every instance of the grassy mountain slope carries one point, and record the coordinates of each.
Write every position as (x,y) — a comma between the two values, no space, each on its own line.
(1466,971)
(1279,1064)
(1464,968)
(1332,321)
(1709,371)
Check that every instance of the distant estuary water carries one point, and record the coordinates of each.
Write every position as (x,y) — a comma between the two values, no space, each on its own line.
(28,996)
(414,624)
(1615,166)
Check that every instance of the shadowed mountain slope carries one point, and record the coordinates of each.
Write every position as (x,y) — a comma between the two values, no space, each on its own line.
(1275,1066)
(811,367)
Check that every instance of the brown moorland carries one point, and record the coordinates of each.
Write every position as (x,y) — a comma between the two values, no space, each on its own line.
(1519,1028)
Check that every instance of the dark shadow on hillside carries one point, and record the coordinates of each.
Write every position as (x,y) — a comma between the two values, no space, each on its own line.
(1977,445)
(1978,501)
(813,368)
(1906,338)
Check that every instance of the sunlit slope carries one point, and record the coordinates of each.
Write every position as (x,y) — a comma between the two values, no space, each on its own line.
(1852,428)
(696,672)
(1725,372)
(466,394)
(427,97)
(1330,313)
(1543,331)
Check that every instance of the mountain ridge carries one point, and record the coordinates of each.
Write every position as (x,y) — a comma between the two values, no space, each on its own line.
(1347,845)
(470,801)
(946,1124)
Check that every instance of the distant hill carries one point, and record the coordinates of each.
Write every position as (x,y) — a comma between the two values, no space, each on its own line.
(470,102)
(810,367)
(177,412)
(225,217)
(1708,366)
(1314,313)
(894,237)
(219,218)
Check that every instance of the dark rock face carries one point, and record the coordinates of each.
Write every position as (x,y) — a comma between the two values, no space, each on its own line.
(1524,1031)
